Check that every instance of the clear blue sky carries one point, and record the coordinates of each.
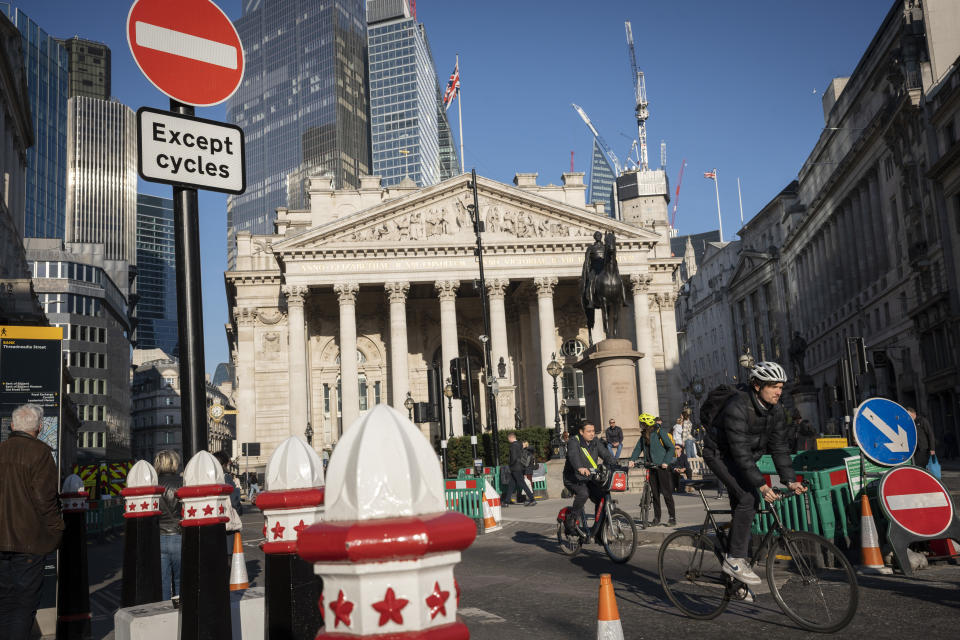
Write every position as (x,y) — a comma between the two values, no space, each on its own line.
(730,85)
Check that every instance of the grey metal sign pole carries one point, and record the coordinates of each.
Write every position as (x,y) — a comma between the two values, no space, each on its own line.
(186,213)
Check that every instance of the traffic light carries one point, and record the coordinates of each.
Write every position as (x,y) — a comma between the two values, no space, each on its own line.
(458,377)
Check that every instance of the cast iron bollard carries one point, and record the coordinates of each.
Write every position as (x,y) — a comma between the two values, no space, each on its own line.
(387,546)
(204,571)
(73,584)
(141,542)
(292,502)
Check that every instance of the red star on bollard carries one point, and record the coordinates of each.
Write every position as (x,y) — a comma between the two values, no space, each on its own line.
(300,527)
(341,610)
(192,511)
(207,510)
(221,509)
(278,532)
(131,507)
(145,506)
(437,601)
(154,505)
(390,607)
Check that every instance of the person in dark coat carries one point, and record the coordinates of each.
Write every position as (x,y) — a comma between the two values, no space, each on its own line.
(167,464)
(615,439)
(585,453)
(926,441)
(681,466)
(30,521)
(516,483)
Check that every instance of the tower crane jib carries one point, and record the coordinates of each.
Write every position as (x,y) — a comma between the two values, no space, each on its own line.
(615,162)
(640,94)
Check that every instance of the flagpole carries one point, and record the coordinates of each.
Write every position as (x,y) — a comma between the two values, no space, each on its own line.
(460,115)
(716,186)
(741,200)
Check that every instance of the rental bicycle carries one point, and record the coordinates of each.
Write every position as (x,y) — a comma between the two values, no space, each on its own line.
(809,577)
(646,501)
(613,527)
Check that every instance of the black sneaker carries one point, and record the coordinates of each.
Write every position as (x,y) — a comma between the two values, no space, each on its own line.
(655,522)
(529,503)
(672,522)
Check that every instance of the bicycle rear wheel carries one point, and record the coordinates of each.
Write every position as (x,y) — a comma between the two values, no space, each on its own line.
(619,536)
(691,575)
(646,502)
(812,581)
(570,543)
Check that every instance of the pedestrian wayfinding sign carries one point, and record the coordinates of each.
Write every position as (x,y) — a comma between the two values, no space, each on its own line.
(916,501)
(188,49)
(187,151)
(884,431)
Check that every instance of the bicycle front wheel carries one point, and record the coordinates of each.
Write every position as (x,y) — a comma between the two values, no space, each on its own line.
(619,536)
(570,543)
(646,501)
(812,581)
(691,575)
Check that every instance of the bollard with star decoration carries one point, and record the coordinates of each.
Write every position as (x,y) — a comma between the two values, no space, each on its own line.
(205,572)
(141,540)
(387,546)
(292,502)
(73,584)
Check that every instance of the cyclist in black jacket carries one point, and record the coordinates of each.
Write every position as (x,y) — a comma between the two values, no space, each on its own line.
(585,452)
(751,423)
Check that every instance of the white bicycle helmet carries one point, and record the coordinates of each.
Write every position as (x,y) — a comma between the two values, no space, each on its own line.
(768,372)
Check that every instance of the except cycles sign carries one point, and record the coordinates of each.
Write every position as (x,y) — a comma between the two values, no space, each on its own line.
(187,151)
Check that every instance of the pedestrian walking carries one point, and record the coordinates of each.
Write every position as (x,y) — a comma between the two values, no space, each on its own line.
(516,483)
(926,441)
(30,521)
(614,439)
(167,464)
(529,460)
(657,450)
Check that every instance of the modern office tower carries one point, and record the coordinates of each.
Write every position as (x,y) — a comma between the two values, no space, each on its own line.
(302,104)
(156,311)
(46,64)
(407,120)
(89,65)
(102,193)
(602,179)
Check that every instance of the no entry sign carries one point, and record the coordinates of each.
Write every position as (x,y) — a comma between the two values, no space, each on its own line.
(916,501)
(188,49)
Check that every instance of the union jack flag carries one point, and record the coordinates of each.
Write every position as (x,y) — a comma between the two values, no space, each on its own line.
(712,174)
(453,86)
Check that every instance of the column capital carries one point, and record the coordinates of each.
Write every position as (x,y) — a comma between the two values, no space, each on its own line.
(666,299)
(497,287)
(347,292)
(295,293)
(397,291)
(545,286)
(447,289)
(640,282)
(245,316)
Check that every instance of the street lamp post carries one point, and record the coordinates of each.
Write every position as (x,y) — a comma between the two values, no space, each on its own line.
(746,360)
(554,369)
(408,403)
(448,392)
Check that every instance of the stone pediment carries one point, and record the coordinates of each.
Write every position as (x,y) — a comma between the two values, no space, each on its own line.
(747,265)
(439,215)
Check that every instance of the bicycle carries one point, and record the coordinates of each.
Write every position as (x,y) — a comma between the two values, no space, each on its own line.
(646,501)
(615,527)
(809,577)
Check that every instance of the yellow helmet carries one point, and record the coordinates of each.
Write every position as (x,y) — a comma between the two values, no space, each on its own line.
(647,419)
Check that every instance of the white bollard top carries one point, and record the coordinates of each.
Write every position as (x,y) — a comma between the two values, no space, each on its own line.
(383,467)
(294,465)
(73,484)
(202,469)
(142,474)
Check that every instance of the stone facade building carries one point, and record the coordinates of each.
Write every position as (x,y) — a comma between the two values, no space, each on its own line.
(389,276)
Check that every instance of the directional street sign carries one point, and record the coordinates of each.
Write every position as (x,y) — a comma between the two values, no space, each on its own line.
(884,431)
(186,151)
(916,501)
(188,49)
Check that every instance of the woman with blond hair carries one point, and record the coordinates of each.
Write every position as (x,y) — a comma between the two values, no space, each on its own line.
(167,464)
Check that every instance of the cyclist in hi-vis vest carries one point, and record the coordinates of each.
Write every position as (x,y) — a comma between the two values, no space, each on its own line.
(584,453)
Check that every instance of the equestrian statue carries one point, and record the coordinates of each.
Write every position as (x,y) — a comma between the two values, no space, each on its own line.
(601,286)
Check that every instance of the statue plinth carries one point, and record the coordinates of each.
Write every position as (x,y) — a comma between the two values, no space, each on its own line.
(610,387)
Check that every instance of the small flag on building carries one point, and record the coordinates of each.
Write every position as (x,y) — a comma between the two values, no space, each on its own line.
(453,86)
(712,174)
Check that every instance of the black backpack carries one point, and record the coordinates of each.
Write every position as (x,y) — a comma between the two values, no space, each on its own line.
(526,459)
(714,404)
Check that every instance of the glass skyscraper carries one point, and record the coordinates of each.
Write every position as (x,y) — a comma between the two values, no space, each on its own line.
(302,105)
(407,120)
(156,310)
(602,179)
(47,82)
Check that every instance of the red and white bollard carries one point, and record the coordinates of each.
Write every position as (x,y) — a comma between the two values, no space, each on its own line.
(387,546)
(73,583)
(293,501)
(141,542)
(204,571)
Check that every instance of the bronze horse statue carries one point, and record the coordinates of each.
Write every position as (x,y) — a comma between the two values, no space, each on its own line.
(601,286)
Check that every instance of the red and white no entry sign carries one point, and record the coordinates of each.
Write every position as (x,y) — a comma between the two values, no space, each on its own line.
(188,49)
(916,501)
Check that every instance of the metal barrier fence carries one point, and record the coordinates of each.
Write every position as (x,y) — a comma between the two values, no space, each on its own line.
(466,497)
(104,516)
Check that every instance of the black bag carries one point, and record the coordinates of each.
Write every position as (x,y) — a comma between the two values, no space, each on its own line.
(527,460)
(713,406)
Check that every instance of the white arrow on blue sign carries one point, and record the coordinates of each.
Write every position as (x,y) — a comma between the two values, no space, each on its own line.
(884,431)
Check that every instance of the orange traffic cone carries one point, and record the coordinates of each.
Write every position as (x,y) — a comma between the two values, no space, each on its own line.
(238,567)
(608,618)
(871,560)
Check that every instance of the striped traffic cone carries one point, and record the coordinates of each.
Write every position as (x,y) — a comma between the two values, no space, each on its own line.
(871,560)
(608,618)
(238,567)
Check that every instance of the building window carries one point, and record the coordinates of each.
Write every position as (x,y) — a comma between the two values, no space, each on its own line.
(326,399)
(376,393)
(573,386)
(362,383)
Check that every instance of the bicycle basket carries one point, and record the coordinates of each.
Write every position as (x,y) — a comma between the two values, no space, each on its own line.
(619,482)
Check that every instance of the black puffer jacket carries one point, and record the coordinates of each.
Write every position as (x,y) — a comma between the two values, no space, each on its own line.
(745,430)
(170,504)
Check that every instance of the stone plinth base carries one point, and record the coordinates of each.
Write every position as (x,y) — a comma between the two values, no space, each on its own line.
(610,386)
(160,621)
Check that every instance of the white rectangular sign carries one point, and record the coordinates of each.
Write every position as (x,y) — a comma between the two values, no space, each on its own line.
(190,152)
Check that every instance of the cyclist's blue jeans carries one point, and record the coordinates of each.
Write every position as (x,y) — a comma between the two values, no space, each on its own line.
(744,502)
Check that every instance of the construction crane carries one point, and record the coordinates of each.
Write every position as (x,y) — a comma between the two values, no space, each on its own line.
(640,91)
(676,198)
(615,162)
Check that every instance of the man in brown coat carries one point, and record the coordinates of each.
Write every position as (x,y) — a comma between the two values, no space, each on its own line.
(30,522)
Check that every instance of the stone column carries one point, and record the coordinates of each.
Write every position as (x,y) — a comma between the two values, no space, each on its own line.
(297,358)
(246,367)
(349,386)
(671,355)
(646,372)
(496,290)
(397,294)
(447,292)
(548,344)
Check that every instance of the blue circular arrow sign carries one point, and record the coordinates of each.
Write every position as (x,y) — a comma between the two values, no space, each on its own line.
(884,431)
